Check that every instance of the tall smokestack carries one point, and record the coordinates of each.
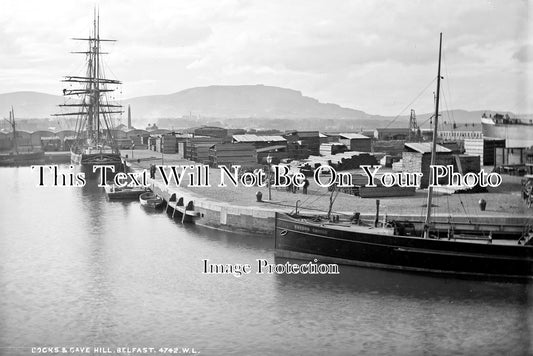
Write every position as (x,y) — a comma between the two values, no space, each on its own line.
(129,117)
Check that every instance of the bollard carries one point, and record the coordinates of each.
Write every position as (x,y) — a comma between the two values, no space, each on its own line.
(259,196)
(482,204)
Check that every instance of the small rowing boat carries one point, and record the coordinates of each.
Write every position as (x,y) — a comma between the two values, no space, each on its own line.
(123,193)
(151,200)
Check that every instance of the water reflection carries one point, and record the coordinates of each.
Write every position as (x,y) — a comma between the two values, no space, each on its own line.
(362,280)
(76,269)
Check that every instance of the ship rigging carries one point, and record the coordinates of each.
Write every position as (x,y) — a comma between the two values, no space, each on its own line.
(94,143)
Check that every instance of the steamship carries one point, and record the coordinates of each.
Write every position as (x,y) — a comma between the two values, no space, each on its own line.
(516,132)
(401,245)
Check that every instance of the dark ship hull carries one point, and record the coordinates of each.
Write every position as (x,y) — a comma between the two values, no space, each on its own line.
(87,161)
(383,248)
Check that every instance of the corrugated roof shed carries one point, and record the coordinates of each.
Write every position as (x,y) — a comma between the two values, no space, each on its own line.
(271,148)
(350,136)
(257,138)
(425,147)
(302,134)
(333,144)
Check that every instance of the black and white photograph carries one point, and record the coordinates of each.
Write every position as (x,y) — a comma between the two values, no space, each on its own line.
(266,177)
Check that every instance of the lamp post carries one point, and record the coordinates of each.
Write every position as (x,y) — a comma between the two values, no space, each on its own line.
(269,161)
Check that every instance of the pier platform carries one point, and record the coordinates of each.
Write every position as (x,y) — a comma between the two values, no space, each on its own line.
(237,209)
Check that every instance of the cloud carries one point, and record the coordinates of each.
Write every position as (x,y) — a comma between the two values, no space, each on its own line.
(374,55)
(524,54)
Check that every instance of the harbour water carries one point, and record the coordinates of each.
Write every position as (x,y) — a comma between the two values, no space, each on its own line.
(79,271)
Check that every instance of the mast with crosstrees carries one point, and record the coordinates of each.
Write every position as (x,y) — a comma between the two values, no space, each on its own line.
(427,221)
(94,142)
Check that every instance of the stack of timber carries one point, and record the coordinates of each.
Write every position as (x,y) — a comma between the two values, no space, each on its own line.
(391,147)
(360,188)
(211,131)
(276,152)
(309,140)
(474,146)
(417,158)
(169,144)
(343,161)
(152,143)
(138,142)
(199,152)
(296,151)
(485,148)
(467,163)
(328,149)
(386,160)
(197,148)
(124,143)
(166,144)
(228,154)
(356,142)
(398,166)
(351,160)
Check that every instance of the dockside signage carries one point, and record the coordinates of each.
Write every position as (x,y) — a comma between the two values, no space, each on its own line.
(279,176)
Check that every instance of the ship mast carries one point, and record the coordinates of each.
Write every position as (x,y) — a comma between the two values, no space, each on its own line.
(433,147)
(97,73)
(14,128)
(94,105)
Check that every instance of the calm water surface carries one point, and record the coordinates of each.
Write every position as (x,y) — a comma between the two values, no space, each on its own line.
(77,270)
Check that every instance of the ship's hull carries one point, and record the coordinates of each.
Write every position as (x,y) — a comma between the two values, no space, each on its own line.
(87,161)
(364,246)
(515,135)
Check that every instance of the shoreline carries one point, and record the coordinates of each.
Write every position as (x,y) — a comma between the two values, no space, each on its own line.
(235,209)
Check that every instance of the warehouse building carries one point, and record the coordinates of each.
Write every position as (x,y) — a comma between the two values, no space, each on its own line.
(399,133)
(242,154)
(356,142)
(417,158)
(301,144)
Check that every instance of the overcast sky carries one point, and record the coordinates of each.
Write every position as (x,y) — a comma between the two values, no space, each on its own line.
(375,56)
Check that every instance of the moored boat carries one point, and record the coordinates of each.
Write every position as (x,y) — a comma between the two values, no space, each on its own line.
(123,193)
(517,132)
(150,200)
(94,143)
(394,247)
(404,246)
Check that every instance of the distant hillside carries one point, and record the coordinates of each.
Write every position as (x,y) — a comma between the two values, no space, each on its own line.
(262,107)
(29,104)
(241,101)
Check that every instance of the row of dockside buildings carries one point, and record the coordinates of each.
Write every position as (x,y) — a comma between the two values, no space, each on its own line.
(391,147)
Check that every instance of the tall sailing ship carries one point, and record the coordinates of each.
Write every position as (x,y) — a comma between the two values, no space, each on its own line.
(94,143)
(397,245)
